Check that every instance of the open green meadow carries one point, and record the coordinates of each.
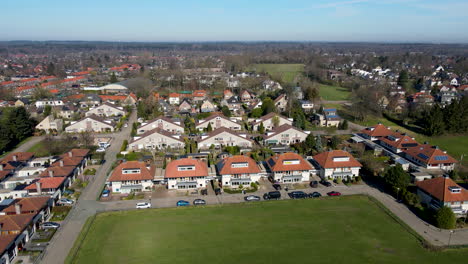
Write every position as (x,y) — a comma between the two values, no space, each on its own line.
(348,229)
(287,72)
(333,93)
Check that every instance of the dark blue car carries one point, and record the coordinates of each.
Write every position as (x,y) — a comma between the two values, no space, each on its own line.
(183,203)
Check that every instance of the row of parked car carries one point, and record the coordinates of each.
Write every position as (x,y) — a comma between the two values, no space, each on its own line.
(276,195)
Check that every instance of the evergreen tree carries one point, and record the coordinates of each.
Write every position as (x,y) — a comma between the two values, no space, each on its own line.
(310,143)
(268,106)
(50,69)
(261,128)
(209,128)
(434,121)
(225,110)
(334,142)
(395,177)
(318,144)
(47,110)
(113,78)
(403,79)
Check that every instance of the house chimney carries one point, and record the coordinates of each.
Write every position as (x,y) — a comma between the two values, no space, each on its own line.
(38,187)
(15,158)
(70,154)
(61,163)
(18,208)
(51,173)
(1,167)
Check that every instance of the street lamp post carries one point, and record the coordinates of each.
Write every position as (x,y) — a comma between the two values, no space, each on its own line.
(450,237)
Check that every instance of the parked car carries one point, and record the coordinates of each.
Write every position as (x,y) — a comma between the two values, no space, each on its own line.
(277,186)
(199,202)
(105,193)
(314,184)
(272,195)
(251,198)
(68,191)
(183,203)
(333,193)
(65,201)
(326,183)
(48,225)
(297,195)
(315,195)
(143,205)
(101,150)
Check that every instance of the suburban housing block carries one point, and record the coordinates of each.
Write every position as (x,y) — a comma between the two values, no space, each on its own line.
(337,164)
(238,170)
(289,167)
(186,173)
(132,176)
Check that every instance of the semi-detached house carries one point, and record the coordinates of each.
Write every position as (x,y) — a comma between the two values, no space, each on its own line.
(106,110)
(289,167)
(186,173)
(164,123)
(269,121)
(156,139)
(238,170)
(443,191)
(337,164)
(218,121)
(430,157)
(91,123)
(285,135)
(223,137)
(132,176)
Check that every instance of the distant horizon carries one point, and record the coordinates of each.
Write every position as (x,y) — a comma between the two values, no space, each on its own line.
(244,41)
(384,21)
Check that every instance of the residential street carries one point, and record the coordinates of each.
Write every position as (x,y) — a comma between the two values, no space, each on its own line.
(87,205)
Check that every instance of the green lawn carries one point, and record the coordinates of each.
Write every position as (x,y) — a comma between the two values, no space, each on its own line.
(339,230)
(333,93)
(39,149)
(287,72)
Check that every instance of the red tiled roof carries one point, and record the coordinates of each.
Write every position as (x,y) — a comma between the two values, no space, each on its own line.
(377,131)
(400,140)
(28,204)
(15,222)
(113,97)
(57,171)
(145,173)
(54,91)
(428,154)
(325,159)
(225,165)
(277,162)
(199,93)
(75,97)
(174,95)
(6,241)
(20,156)
(47,183)
(439,188)
(172,168)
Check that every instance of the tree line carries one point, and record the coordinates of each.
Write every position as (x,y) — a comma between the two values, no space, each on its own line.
(15,126)
(452,118)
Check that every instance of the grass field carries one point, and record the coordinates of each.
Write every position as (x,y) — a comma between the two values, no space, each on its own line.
(333,93)
(339,230)
(39,149)
(287,72)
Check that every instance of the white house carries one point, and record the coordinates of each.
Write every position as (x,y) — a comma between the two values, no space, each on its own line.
(106,110)
(132,176)
(218,121)
(285,135)
(207,107)
(43,103)
(174,98)
(164,123)
(269,121)
(156,139)
(289,167)
(50,123)
(443,191)
(238,170)
(222,137)
(186,173)
(337,164)
(91,123)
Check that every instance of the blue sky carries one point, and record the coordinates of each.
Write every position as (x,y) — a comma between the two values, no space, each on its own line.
(241,20)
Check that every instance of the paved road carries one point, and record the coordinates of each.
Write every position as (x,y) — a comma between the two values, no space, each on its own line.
(28,144)
(86,206)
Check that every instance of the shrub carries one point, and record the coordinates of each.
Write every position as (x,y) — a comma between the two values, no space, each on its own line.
(124,145)
(338,180)
(445,218)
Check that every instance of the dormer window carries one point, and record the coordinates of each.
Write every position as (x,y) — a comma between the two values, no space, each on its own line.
(239,165)
(186,168)
(340,159)
(130,171)
(454,189)
(291,162)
